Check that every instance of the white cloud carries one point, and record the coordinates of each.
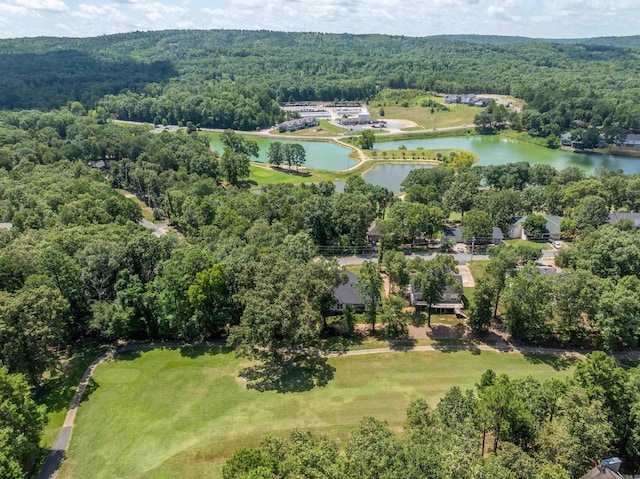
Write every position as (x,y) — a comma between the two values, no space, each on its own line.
(538,18)
(7,9)
(47,5)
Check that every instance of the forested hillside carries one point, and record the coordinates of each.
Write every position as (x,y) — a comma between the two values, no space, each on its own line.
(232,78)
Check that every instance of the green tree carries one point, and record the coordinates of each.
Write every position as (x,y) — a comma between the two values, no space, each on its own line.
(591,211)
(395,265)
(462,192)
(432,278)
(299,155)
(236,166)
(236,156)
(580,435)
(480,311)
(21,425)
(576,296)
(534,226)
(32,326)
(210,299)
(371,450)
(526,304)
(498,270)
(393,317)
(477,224)
(275,154)
(367,139)
(370,283)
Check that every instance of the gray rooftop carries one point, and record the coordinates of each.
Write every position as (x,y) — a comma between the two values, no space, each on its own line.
(5,226)
(635,217)
(348,293)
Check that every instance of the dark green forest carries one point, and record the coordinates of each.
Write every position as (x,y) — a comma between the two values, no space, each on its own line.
(78,270)
(231,79)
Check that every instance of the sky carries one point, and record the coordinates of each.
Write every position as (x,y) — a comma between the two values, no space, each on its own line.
(531,18)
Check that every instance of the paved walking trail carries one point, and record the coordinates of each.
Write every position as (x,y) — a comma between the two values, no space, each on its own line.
(58,450)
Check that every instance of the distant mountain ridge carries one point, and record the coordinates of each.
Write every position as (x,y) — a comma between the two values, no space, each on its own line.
(617,42)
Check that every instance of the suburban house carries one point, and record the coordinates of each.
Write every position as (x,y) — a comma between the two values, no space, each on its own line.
(551,230)
(298,124)
(543,269)
(565,139)
(630,141)
(451,301)
(635,217)
(467,100)
(5,226)
(607,469)
(349,295)
(497,237)
(373,233)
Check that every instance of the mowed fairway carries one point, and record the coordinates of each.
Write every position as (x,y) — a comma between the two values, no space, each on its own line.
(171,413)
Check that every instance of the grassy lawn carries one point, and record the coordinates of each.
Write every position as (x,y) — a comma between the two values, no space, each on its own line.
(180,412)
(261,175)
(324,130)
(57,394)
(147,212)
(422,154)
(457,116)
(478,269)
(539,244)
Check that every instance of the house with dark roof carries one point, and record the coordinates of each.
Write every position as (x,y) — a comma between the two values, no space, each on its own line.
(551,230)
(497,237)
(635,217)
(349,295)
(630,141)
(373,233)
(451,301)
(607,469)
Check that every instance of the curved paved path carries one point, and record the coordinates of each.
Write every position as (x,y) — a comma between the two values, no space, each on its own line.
(58,450)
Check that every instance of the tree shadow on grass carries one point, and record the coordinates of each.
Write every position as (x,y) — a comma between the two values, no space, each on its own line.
(556,361)
(300,373)
(193,352)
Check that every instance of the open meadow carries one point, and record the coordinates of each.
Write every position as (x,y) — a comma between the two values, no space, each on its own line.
(457,116)
(170,413)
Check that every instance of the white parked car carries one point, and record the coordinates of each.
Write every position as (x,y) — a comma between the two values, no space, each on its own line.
(556,244)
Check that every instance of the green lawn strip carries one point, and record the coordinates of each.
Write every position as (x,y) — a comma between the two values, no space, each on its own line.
(539,244)
(478,269)
(181,412)
(468,297)
(423,154)
(457,116)
(56,394)
(264,175)
(324,130)
(147,212)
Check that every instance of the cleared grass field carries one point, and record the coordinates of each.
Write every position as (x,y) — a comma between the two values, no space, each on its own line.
(457,116)
(264,175)
(178,413)
(324,130)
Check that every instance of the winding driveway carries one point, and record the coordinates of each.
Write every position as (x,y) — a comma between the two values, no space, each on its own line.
(58,450)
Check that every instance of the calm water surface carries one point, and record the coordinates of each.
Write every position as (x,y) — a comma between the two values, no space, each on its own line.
(491,150)
(495,150)
(320,154)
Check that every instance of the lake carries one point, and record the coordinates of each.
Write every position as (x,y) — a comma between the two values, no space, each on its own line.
(491,150)
(495,150)
(323,155)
